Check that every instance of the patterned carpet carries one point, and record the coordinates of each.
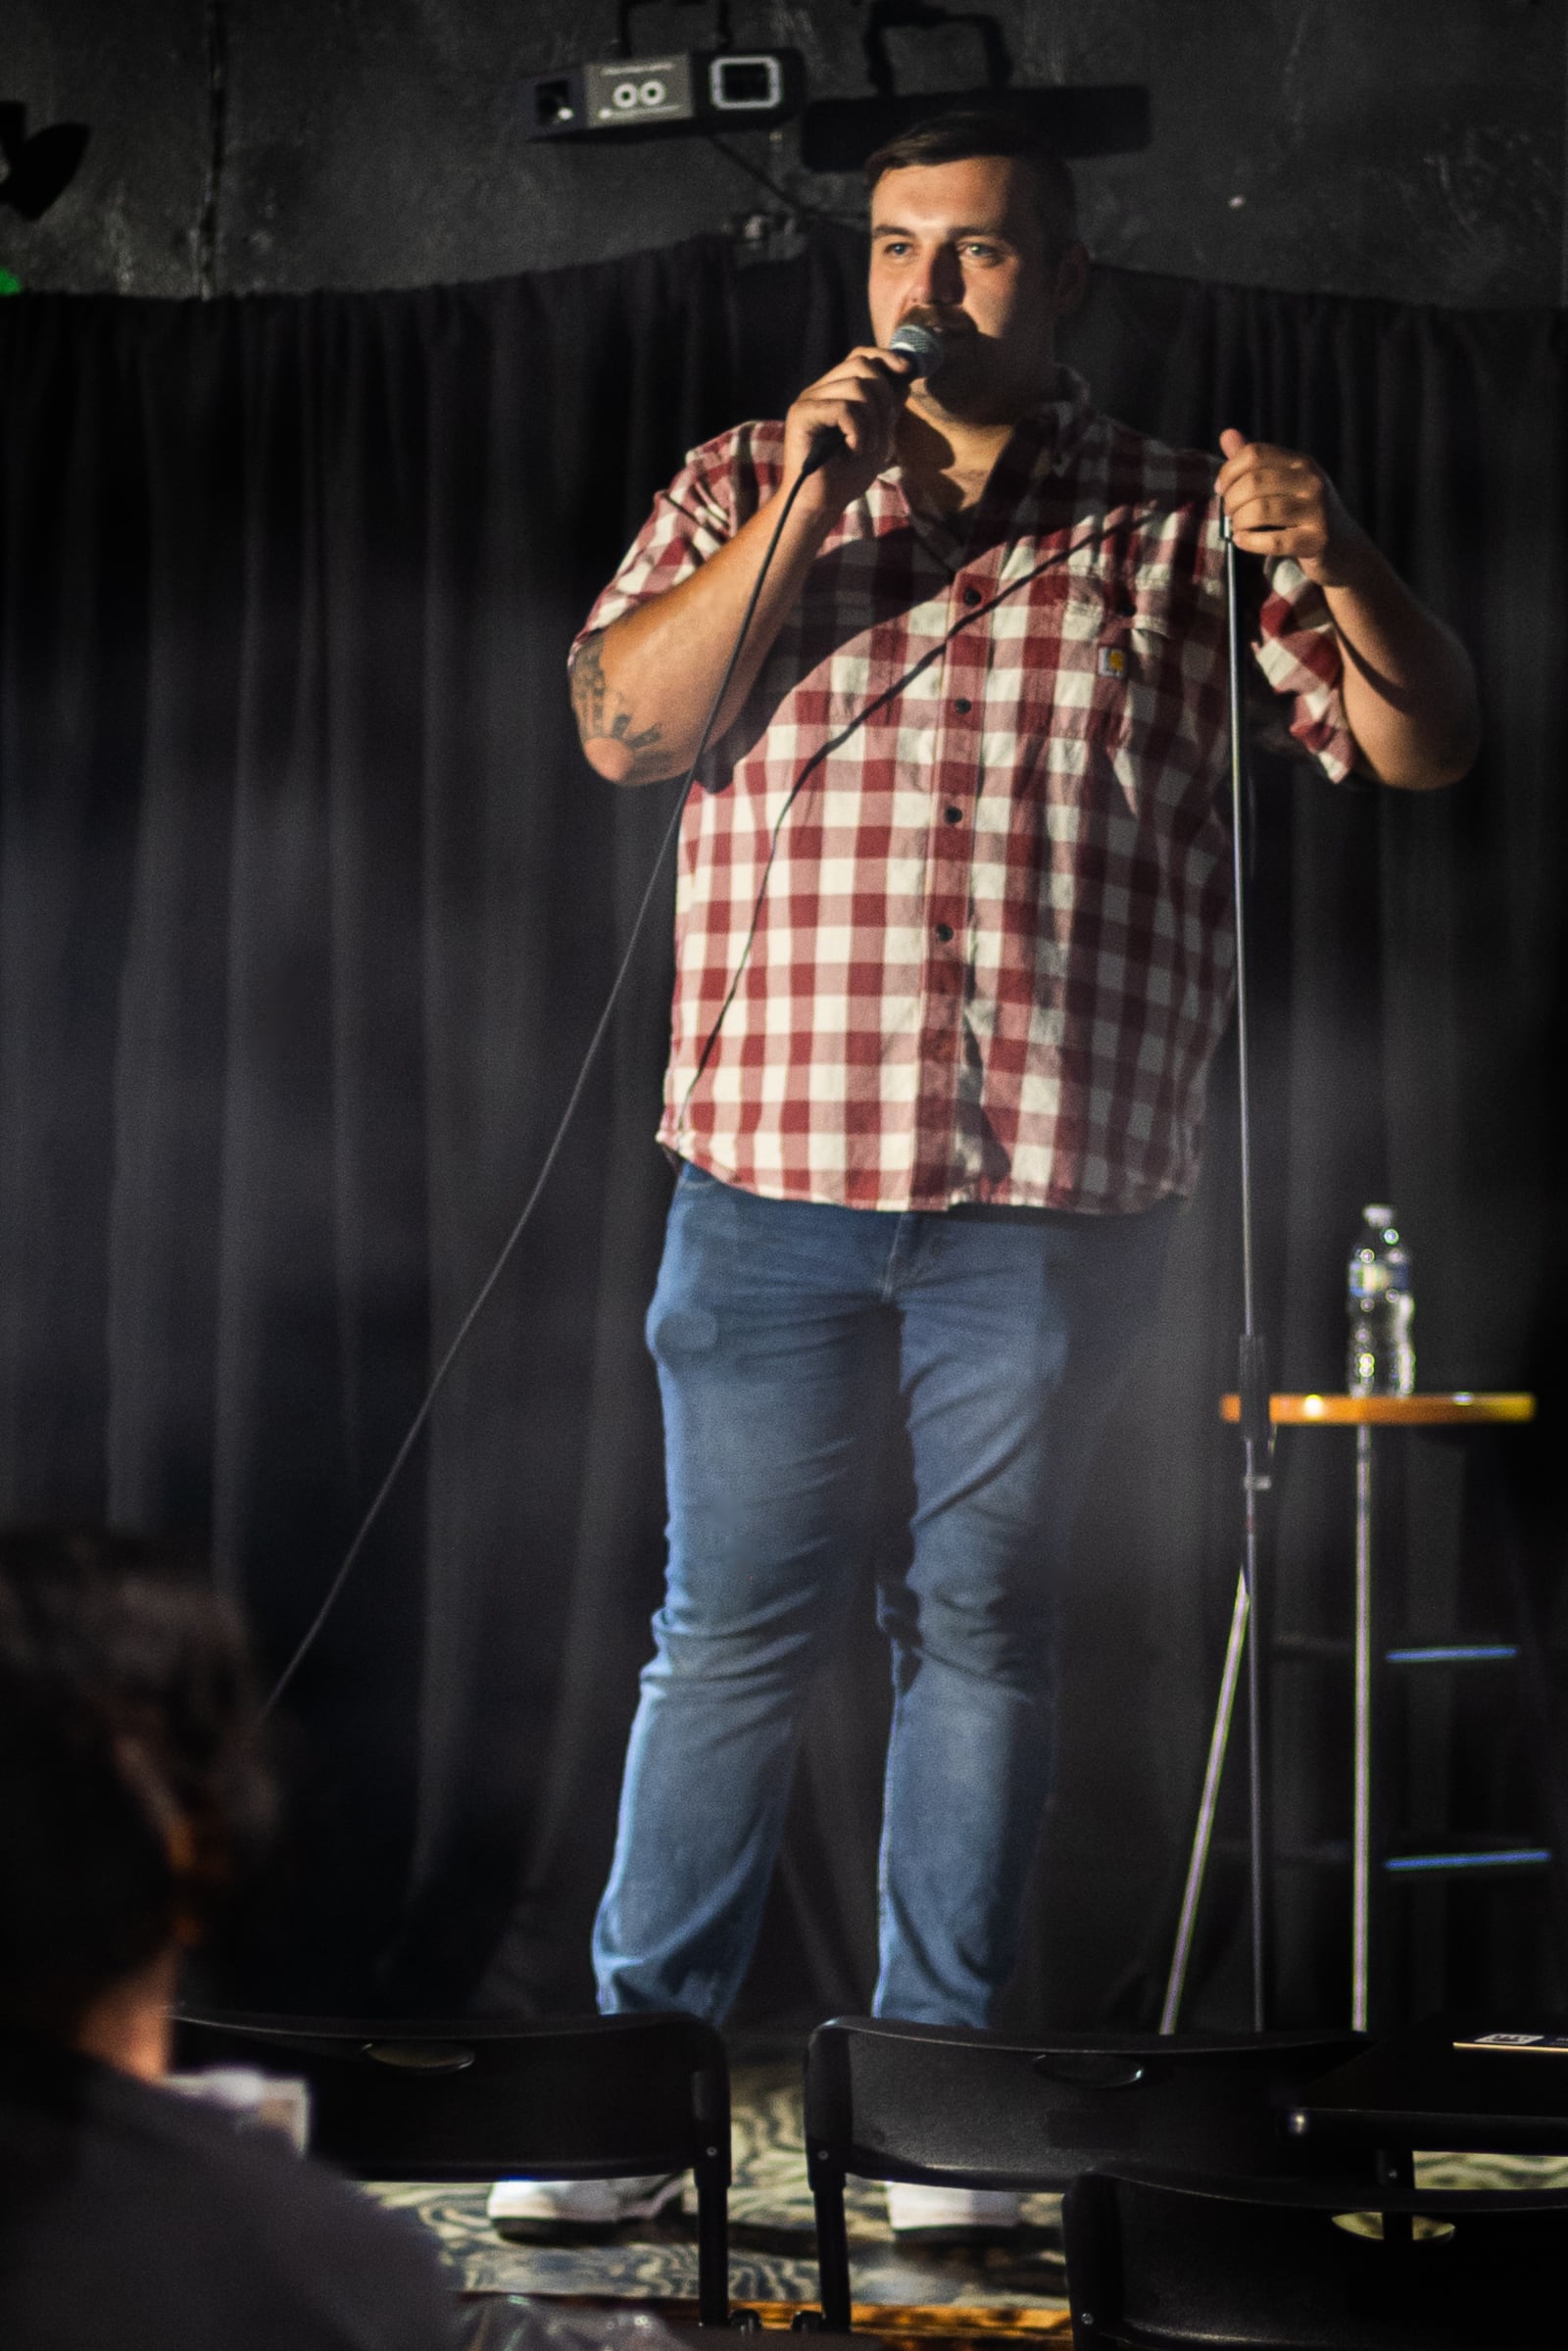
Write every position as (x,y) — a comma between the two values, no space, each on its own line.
(898,2292)
(771,2240)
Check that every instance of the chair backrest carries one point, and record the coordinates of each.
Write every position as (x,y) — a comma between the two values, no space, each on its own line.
(1161,2265)
(477,2098)
(892,2101)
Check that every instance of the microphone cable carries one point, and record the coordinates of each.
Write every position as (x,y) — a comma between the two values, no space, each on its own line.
(825,445)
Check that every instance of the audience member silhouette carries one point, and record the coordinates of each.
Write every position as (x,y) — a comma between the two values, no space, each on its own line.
(132,1799)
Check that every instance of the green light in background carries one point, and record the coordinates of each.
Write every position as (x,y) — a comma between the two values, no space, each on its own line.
(10,282)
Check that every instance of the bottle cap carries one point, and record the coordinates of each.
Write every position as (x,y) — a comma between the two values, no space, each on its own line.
(1377,1213)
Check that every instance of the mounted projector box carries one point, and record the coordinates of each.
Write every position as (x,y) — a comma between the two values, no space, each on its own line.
(689,89)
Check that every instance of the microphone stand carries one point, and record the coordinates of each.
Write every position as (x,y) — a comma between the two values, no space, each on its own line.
(1257,1442)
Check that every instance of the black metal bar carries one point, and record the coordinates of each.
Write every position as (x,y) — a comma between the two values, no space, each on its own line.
(712,2248)
(832,2245)
(1256,1433)
(1536,1689)
(1252,1368)
(711,2115)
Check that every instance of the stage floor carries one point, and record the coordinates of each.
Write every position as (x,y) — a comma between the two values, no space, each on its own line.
(1018,2289)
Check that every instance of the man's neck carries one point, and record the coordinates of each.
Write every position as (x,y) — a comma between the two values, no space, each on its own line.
(127,2025)
(946,462)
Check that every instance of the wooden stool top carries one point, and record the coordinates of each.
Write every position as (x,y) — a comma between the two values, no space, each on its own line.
(1421,1410)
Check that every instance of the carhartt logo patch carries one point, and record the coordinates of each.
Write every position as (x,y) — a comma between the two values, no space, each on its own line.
(1112,660)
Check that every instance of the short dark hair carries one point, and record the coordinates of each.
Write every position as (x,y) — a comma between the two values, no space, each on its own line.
(132,1793)
(967,131)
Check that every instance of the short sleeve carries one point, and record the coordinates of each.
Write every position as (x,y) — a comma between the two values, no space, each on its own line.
(1300,655)
(718,488)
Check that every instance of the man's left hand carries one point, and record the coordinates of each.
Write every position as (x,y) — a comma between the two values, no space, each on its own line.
(1408,687)
(1282,503)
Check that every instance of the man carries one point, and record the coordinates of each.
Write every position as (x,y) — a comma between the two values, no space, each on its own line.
(130,1794)
(955,949)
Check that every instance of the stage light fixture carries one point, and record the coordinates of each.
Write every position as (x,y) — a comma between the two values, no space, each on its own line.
(837,134)
(34,171)
(683,90)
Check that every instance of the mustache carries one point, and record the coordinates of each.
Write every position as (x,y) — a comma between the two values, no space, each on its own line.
(954,325)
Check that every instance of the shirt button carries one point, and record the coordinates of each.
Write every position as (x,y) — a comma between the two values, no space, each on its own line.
(943,932)
(963,704)
(953,816)
(971,596)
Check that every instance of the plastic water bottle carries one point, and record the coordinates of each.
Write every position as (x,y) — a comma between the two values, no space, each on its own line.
(1381,1360)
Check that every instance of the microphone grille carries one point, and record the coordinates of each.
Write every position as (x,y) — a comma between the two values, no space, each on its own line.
(917,342)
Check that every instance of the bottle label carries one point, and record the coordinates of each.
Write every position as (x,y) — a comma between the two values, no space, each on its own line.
(1368,1280)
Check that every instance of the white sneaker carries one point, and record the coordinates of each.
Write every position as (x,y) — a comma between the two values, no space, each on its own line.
(943,2215)
(531,2209)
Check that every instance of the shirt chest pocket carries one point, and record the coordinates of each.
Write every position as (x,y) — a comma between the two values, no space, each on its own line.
(1113,661)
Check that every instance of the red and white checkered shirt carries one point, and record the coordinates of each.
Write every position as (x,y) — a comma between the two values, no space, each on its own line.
(952,917)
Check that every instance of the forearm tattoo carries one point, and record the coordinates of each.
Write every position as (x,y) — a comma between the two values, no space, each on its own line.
(601,717)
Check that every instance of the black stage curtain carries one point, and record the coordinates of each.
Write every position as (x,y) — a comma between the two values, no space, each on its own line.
(306,908)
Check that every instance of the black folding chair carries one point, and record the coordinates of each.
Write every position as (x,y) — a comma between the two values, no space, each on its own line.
(943,2105)
(599,2098)
(1156,2264)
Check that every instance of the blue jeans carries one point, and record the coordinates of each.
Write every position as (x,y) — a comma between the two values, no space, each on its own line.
(787,1333)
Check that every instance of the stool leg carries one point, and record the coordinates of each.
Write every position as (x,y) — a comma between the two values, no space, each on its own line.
(1361,1793)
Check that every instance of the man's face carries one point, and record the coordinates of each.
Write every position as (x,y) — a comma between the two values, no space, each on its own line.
(962,248)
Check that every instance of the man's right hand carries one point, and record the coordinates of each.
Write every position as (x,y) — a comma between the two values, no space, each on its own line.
(644,688)
(863,397)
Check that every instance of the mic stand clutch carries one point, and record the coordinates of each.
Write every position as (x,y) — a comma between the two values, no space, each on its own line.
(1257,1446)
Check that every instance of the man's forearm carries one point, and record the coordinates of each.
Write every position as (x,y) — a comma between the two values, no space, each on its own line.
(1409,690)
(1409,687)
(642,688)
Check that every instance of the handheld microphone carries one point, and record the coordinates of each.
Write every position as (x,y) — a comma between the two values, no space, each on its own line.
(910,341)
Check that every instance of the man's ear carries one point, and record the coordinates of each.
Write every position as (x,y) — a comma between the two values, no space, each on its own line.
(1069,281)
